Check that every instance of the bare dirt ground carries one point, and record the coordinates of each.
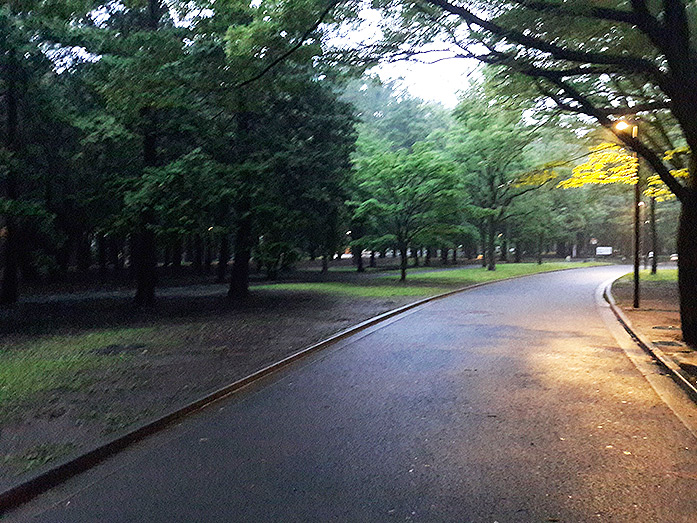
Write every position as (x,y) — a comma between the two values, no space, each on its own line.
(658,319)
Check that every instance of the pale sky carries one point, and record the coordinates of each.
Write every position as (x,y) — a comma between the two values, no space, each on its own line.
(438,82)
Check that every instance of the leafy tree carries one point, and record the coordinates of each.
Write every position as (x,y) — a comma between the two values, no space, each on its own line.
(489,146)
(412,194)
(603,61)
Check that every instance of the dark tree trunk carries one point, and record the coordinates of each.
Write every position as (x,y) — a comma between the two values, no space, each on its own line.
(177,253)
(429,253)
(239,275)
(357,252)
(403,263)
(83,253)
(144,255)
(9,290)
(483,235)
(372,258)
(102,255)
(113,247)
(539,252)
(223,258)
(383,254)
(144,259)
(687,267)
(455,255)
(491,247)
(208,255)
(325,264)
(415,255)
(197,261)
(517,258)
(444,255)
(168,255)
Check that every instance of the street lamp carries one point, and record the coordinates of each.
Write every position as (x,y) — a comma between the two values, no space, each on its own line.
(623,126)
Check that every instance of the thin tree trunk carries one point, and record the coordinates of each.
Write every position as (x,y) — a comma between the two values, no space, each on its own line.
(145,252)
(455,255)
(444,255)
(429,253)
(223,258)
(372,259)
(357,252)
(415,255)
(197,261)
(687,267)
(483,235)
(654,237)
(491,247)
(325,264)
(239,275)
(403,263)
(102,255)
(177,253)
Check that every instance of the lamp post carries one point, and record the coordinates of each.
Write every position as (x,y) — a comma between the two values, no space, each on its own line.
(624,126)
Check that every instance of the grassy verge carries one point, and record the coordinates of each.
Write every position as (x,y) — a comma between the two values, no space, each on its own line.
(420,284)
(661,275)
(58,362)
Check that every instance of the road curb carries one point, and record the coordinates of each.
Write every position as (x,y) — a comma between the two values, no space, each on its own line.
(44,480)
(665,361)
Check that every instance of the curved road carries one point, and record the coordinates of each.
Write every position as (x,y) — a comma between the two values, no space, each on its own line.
(509,402)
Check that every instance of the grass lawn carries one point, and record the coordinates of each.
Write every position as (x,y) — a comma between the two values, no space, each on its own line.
(51,362)
(645,275)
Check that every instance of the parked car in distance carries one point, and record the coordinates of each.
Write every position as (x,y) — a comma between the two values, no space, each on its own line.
(673,257)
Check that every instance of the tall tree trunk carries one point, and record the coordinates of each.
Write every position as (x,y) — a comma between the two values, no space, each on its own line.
(325,263)
(415,255)
(654,237)
(429,253)
(145,251)
(404,256)
(177,253)
(145,255)
(83,253)
(223,258)
(197,261)
(455,255)
(102,255)
(517,258)
(483,236)
(239,275)
(372,258)
(491,247)
(9,290)
(444,255)
(687,267)
(357,252)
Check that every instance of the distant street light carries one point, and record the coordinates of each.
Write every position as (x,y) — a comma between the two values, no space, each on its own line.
(623,126)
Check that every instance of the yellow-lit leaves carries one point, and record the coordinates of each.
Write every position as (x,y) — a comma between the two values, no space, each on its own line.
(607,163)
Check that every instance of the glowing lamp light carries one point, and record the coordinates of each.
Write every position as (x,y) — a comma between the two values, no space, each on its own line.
(622,125)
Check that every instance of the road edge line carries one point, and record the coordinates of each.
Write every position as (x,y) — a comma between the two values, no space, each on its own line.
(42,481)
(664,361)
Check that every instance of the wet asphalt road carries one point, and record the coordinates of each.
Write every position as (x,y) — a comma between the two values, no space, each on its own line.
(510,402)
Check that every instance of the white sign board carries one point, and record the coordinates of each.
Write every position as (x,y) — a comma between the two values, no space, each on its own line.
(603,251)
